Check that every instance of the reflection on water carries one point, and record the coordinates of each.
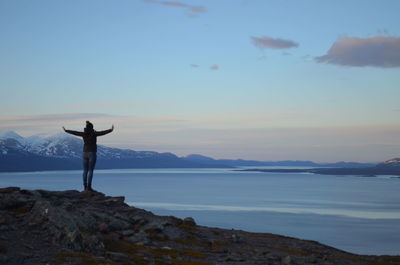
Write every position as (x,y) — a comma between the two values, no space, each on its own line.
(295,210)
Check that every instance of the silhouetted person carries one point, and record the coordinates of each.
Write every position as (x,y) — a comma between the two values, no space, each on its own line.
(89,136)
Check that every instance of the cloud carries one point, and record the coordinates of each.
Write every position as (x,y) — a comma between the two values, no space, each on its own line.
(194,11)
(380,51)
(214,67)
(50,118)
(51,123)
(274,135)
(271,43)
(194,65)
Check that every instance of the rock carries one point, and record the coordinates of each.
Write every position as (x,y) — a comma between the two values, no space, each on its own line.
(312,259)
(92,242)
(128,232)
(3,259)
(10,203)
(25,254)
(3,220)
(9,189)
(3,249)
(28,246)
(143,243)
(236,238)
(70,227)
(89,221)
(103,227)
(119,199)
(189,221)
(286,260)
(4,228)
(118,256)
(74,240)
(118,225)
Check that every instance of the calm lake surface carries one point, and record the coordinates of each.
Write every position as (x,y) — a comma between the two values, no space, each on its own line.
(356,214)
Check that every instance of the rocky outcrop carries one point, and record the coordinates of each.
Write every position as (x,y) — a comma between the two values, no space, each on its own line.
(71,227)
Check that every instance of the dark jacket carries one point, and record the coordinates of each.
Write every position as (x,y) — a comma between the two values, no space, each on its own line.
(89,138)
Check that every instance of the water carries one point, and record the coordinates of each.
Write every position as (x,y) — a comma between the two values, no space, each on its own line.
(356,214)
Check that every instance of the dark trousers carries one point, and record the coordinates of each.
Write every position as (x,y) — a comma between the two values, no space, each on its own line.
(89,162)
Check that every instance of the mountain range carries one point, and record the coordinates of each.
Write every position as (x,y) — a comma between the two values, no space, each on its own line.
(284,163)
(63,152)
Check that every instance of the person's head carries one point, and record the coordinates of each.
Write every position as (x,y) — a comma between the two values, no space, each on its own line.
(89,127)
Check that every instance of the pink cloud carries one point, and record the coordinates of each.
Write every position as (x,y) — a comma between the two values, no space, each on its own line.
(197,9)
(178,4)
(271,43)
(380,51)
(193,10)
(214,67)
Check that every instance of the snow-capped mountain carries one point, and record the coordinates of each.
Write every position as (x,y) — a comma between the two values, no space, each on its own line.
(62,145)
(11,135)
(391,163)
(64,151)
(59,145)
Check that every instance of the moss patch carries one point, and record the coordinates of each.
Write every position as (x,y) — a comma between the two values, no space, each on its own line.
(159,255)
(82,257)
(260,235)
(187,227)
(387,260)
(216,233)
(190,241)
(156,234)
(159,238)
(293,251)
(135,252)
(175,253)
(217,243)
(22,210)
(178,262)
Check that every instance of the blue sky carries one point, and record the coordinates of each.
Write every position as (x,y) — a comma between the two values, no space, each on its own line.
(251,79)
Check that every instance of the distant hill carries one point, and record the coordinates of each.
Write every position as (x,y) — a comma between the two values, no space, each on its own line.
(285,163)
(389,167)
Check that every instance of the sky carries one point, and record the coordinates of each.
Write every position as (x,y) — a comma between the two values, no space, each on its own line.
(252,79)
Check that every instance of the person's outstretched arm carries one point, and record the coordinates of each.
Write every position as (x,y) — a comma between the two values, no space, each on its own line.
(100,133)
(73,132)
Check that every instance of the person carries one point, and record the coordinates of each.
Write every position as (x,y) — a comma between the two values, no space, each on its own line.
(89,136)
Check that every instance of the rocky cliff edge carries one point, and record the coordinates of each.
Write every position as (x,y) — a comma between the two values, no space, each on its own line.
(71,227)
